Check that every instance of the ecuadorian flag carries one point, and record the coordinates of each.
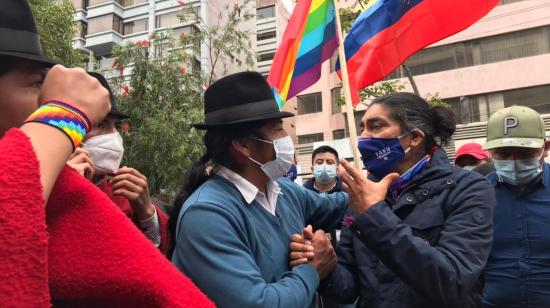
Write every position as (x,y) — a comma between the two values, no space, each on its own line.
(309,40)
(390,31)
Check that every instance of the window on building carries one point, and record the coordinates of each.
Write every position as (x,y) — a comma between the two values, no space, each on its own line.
(310,138)
(478,108)
(167,20)
(492,49)
(310,103)
(537,98)
(105,23)
(340,134)
(336,97)
(117,23)
(196,67)
(266,56)
(136,26)
(132,2)
(514,45)
(173,18)
(266,35)
(433,60)
(80,4)
(97,2)
(83,29)
(265,12)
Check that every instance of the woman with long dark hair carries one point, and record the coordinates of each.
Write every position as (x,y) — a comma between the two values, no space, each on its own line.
(235,216)
(422,229)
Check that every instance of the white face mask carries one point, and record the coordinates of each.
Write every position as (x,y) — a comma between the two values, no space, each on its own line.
(284,158)
(106,151)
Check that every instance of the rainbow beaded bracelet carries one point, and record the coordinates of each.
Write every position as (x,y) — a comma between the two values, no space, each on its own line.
(70,120)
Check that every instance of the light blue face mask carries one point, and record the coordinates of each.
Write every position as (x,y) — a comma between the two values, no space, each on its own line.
(517,172)
(324,173)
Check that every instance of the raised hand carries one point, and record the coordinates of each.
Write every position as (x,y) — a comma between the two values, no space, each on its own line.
(130,183)
(78,88)
(81,161)
(363,193)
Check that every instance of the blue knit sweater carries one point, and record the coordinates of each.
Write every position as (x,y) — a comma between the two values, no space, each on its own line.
(238,254)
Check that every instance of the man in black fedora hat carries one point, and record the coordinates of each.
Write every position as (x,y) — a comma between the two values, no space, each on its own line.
(99,160)
(233,222)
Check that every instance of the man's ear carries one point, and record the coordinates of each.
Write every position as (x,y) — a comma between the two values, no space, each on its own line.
(242,146)
(547,145)
(417,138)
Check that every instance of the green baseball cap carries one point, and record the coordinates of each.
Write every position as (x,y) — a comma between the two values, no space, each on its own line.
(515,126)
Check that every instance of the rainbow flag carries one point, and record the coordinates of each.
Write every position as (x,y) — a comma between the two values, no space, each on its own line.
(309,40)
(388,32)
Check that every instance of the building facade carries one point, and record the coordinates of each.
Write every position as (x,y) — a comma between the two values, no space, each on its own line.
(106,23)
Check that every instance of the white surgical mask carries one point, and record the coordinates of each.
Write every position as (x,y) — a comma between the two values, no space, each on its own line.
(284,158)
(106,151)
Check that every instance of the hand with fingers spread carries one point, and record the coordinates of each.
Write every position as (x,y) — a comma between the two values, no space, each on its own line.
(81,161)
(363,193)
(130,183)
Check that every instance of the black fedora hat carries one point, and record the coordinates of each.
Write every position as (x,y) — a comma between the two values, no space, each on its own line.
(114,110)
(239,98)
(18,34)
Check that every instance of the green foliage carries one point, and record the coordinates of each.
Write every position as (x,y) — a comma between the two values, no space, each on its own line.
(226,39)
(163,95)
(57,28)
(380,89)
(393,86)
(349,14)
(436,100)
(163,100)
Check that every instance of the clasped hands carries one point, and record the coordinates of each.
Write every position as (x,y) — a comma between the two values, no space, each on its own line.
(314,248)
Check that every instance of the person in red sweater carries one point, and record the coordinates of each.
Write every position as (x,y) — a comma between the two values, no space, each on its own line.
(99,160)
(62,241)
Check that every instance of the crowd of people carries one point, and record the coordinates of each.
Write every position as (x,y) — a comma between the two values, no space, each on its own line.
(414,230)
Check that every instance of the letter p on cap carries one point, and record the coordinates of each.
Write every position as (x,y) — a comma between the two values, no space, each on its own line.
(509,122)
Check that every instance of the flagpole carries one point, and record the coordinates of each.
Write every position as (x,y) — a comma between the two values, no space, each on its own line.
(347,92)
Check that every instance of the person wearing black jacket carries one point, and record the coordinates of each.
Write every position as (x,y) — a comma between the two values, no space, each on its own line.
(324,161)
(422,228)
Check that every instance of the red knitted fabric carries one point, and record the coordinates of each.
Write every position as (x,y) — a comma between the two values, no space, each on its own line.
(23,236)
(123,204)
(91,254)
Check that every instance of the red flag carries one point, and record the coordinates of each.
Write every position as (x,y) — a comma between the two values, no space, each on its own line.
(388,32)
